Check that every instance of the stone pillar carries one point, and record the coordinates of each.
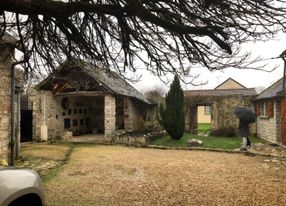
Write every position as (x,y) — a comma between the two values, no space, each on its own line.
(130,118)
(5,96)
(44,127)
(109,116)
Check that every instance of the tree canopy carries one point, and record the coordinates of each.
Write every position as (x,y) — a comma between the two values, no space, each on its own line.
(163,36)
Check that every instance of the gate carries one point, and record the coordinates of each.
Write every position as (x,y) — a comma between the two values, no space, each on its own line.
(26,121)
(283,121)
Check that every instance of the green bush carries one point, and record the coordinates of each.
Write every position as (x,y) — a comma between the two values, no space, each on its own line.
(172,116)
(153,126)
(224,132)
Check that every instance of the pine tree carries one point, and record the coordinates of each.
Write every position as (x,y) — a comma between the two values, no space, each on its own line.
(172,117)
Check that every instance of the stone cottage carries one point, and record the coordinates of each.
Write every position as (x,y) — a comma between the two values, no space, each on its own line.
(222,100)
(7,44)
(270,107)
(79,98)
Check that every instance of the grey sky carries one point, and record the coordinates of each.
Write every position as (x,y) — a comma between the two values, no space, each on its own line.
(249,78)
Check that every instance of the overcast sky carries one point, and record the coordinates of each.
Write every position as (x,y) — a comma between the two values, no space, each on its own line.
(249,78)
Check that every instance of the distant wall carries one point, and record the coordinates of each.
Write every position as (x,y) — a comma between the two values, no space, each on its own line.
(202,117)
(230,85)
(222,109)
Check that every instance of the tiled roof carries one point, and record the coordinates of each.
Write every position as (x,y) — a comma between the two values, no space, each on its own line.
(113,82)
(109,80)
(221,92)
(271,91)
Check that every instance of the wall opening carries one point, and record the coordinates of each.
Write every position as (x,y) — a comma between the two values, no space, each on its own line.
(26,120)
(200,118)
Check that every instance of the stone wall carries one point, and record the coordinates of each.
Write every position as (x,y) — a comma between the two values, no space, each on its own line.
(133,112)
(268,126)
(5,96)
(98,111)
(109,116)
(82,115)
(222,110)
(277,106)
(45,113)
(152,113)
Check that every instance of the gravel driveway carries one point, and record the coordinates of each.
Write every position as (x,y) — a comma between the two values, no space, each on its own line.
(115,175)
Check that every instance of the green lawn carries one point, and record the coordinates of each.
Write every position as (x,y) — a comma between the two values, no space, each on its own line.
(208,142)
(204,126)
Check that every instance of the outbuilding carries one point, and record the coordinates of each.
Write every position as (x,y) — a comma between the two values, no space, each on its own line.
(218,103)
(80,98)
(270,106)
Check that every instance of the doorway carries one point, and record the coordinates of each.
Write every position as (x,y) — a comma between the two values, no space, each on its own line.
(26,120)
(26,123)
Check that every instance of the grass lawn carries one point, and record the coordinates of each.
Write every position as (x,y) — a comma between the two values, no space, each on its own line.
(208,142)
(204,126)
(44,151)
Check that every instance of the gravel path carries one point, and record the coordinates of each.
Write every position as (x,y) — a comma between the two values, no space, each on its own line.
(111,175)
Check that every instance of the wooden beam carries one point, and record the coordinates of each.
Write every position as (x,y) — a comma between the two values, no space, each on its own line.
(84,93)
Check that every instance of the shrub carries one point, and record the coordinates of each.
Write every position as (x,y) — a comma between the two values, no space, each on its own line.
(224,132)
(173,117)
(141,128)
(153,126)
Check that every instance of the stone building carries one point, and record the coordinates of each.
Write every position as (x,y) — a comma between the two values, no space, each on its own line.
(6,46)
(79,98)
(222,100)
(270,107)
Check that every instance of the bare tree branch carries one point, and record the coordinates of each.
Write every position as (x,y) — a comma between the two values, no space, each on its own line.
(166,36)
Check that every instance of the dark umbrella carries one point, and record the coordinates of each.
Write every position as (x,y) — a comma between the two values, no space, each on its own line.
(245,115)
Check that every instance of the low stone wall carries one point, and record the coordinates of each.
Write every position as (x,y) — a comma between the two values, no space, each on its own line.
(128,140)
(122,137)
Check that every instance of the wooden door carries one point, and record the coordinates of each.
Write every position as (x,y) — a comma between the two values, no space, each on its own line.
(283,121)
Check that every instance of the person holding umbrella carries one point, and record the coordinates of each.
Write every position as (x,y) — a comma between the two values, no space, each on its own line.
(243,133)
(245,117)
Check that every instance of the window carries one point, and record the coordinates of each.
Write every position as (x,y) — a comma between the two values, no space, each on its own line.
(270,109)
(263,109)
(81,122)
(75,122)
(207,110)
(67,123)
